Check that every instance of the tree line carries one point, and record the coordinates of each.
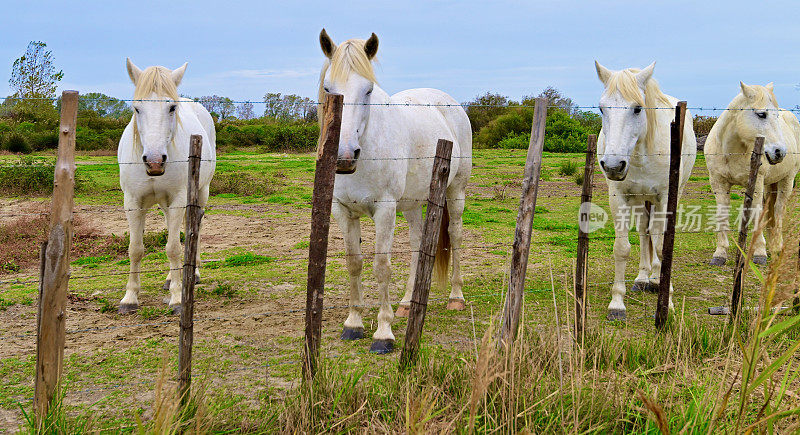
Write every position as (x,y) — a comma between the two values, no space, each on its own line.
(288,122)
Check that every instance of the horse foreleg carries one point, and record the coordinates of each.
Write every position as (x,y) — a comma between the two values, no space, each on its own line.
(657,230)
(455,209)
(622,250)
(780,192)
(384,217)
(414,218)
(174,217)
(642,281)
(136,217)
(722,195)
(351,230)
(759,241)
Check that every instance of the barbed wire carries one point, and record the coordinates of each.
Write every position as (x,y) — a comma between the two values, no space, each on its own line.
(410,104)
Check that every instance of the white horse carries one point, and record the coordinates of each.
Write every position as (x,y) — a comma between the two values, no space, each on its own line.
(728,148)
(153,168)
(634,152)
(384,166)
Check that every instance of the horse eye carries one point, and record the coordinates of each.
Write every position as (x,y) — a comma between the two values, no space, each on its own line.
(369,91)
(171,109)
(326,89)
(136,109)
(637,109)
(762,115)
(601,109)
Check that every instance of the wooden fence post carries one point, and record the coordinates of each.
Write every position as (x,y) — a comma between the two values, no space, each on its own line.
(583,238)
(676,148)
(194,214)
(324,176)
(522,235)
(54,270)
(747,207)
(427,252)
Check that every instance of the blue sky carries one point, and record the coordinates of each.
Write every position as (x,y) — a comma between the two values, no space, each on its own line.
(245,49)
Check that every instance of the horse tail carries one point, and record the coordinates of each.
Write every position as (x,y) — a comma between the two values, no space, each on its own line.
(442,262)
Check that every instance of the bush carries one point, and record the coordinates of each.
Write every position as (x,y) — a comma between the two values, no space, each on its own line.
(702,124)
(29,176)
(16,143)
(268,135)
(567,168)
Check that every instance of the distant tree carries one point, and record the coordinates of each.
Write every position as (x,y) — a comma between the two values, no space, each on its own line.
(223,107)
(103,105)
(245,111)
(555,100)
(287,107)
(33,75)
(484,108)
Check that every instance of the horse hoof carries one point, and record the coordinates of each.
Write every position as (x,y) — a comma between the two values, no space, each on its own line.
(350,334)
(616,315)
(717,261)
(128,308)
(177,310)
(760,259)
(382,347)
(639,286)
(456,304)
(402,310)
(651,287)
(166,284)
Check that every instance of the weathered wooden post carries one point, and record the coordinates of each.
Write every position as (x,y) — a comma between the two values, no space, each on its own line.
(676,148)
(747,208)
(324,175)
(522,235)
(54,269)
(583,238)
(194,214)
(427,252)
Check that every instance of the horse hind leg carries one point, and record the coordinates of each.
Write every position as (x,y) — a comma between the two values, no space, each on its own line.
(415,221)
(455,230)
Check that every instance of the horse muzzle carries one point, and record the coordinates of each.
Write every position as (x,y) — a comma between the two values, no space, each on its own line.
(614,171)
(155,167)
(346,163)
(774,156)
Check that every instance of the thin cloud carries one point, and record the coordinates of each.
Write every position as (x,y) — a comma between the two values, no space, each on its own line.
(270,73)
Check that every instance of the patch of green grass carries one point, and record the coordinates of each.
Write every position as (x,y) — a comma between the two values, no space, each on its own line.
(301,245)
(245,259)
(148,313)
(91,260)
(567,168)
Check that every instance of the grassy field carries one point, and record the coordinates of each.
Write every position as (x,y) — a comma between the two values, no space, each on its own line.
(622,376)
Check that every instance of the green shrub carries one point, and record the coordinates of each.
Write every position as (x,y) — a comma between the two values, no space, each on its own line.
(28,176)
(563,134)
(17,143)
(567,168)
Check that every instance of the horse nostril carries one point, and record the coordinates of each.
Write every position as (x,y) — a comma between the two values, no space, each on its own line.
(356,153)
(163,158)
(144,159)
(603,164)
(622,165)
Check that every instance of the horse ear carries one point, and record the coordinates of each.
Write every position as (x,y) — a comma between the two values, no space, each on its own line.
(177,75)
(770,87)
(133,71)
(747,90)
(603,73)
(644,75)
(371,46)
(326,43)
